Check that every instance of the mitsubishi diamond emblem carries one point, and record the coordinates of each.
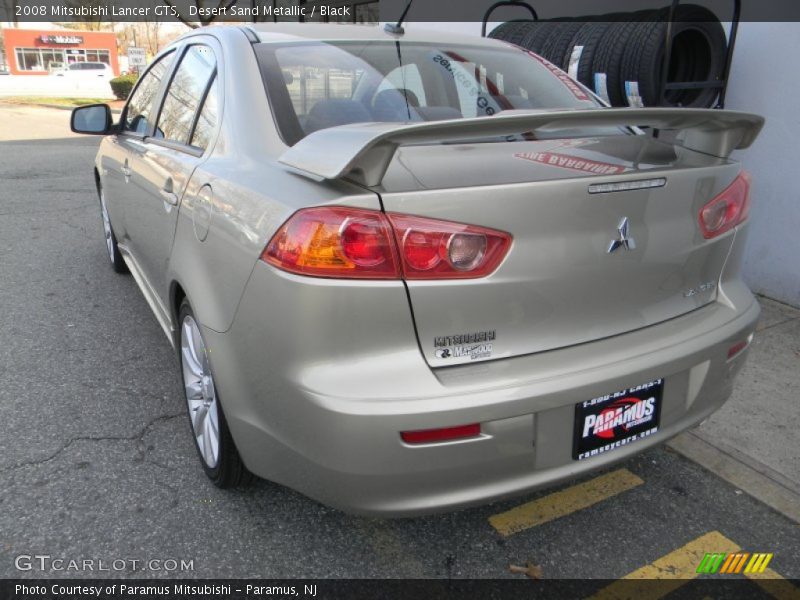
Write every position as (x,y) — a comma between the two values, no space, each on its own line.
(624,239)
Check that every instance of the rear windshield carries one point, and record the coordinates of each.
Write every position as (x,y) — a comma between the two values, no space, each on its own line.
(317,85)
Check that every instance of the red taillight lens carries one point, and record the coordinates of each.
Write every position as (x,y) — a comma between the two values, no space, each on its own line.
(445,434)
(728,209)
(364,243)
(433,249)
(356,243)
(335,242)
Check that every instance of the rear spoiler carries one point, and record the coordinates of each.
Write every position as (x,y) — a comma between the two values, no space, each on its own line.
(363,151)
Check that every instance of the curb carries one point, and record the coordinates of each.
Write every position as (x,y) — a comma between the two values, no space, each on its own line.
(749,475)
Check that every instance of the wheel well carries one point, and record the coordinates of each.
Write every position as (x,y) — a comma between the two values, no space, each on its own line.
(176,297)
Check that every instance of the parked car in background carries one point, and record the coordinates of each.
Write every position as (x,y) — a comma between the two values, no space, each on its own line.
(87,70)
(407,273)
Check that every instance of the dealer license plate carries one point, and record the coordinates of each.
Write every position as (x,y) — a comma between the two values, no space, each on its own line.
(614,420)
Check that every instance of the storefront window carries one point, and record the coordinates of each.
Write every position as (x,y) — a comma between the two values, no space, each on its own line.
(52,56)
(98,56)
(38,59)
(39,52)
(74,56)
(29,59)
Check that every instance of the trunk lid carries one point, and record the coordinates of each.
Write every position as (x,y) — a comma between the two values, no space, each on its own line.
(559,284)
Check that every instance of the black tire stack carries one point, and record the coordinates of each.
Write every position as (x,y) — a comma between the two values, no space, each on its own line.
(621,56)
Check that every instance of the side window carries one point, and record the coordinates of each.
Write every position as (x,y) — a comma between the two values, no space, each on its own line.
(185,93)
(207,119)
(140,104)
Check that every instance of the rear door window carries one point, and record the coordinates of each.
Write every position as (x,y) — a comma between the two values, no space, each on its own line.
(207,119)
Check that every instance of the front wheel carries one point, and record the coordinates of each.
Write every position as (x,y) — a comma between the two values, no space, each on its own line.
(117,262)
(218,455)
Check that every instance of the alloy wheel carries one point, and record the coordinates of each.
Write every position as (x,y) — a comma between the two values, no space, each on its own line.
(107,226)
(201,395)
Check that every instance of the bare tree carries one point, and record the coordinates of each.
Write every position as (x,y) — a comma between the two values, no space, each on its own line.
(146,34)
(86,23)
(152,32)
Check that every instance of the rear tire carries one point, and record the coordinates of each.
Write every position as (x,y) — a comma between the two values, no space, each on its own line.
(588,37)
(608,59)
(212,438)
(562,47)
(511,32)
(698,54)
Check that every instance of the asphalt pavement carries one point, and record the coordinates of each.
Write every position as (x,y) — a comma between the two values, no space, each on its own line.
(97,462)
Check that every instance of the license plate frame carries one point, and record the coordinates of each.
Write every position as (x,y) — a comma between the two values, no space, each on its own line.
(614,420)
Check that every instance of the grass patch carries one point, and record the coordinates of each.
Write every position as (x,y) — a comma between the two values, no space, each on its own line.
(54,101)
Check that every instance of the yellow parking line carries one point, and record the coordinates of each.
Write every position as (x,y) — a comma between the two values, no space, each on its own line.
(682,563)
(564,502)
(675,569)
(775,585)
(679,566)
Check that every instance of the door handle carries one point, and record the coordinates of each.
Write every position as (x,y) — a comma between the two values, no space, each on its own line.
(170,197)
(167,194)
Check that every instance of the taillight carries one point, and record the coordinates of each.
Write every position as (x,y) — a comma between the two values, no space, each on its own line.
(728,209)
(356,243)
(335,242)
(433,249)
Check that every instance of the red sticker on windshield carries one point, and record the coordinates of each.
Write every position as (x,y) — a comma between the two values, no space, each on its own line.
(570,83)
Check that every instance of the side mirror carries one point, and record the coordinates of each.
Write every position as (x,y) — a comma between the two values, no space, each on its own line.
(94,119)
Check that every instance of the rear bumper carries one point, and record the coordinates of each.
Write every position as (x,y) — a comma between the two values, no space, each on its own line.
(327,423)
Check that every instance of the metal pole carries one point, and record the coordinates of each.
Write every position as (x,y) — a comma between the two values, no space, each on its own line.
(737,15)
(135,45)
(662,89)
(515,3)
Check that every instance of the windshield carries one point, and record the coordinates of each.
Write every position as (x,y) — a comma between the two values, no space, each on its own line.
(314,86)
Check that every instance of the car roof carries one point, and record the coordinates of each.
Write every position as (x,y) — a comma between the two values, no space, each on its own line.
(286,32)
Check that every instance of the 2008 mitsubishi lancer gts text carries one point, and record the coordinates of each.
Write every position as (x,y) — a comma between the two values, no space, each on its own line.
(405,275)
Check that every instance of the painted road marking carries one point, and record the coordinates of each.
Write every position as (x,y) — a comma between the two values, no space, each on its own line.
(775,585)
(559,504)
(679,566)
(675,569)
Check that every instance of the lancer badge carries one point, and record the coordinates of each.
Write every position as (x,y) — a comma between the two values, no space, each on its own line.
(625,239)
